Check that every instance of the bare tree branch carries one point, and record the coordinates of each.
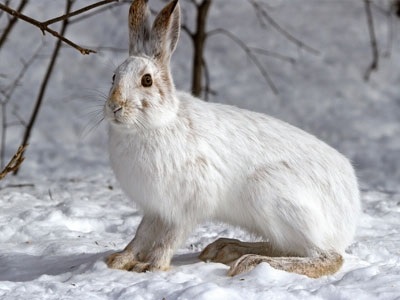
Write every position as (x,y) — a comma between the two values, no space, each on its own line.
(9,90)
(14,163)
(394,10)
(263,16)
(100,10)
(273,54)
(43,26)
(77,12)
(374,45)
(7,93)
(12,22)
(249,53)
(45,81)
(396,7)
(109,48)
(187,30)
(17,186)
(6,2)
(391,14)
(390,11)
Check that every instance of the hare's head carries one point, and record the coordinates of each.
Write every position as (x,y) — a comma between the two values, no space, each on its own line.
(142,95)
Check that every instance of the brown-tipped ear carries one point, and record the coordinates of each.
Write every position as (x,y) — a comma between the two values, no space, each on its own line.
(139,26)
(165,32)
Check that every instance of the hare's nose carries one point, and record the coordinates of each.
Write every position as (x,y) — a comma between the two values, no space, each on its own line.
(117,109)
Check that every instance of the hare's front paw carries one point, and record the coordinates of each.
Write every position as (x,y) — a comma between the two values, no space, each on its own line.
(120,260)
(125,260)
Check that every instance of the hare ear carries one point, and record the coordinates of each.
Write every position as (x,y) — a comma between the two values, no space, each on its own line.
(139,26)
(165,32)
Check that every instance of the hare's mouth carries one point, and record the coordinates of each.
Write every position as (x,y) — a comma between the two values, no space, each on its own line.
(113,120)
(116,122)
(120,123)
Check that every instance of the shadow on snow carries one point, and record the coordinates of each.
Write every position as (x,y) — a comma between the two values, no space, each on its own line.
(25,267)
(19,267)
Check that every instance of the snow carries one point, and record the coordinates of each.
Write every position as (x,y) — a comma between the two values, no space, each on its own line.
(69,213)
(52,247)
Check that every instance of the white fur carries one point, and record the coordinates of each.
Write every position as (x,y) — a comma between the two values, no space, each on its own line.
(185,161)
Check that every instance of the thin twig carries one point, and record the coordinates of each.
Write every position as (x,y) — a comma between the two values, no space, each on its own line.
(44,28)
(11,23)
(249,53)
(187,30)
(264,15)
(18,186)
(6,2)
(7,97)
(14,163)
(109,48)
(374,45)
(45,81)
(273,54)
(3,133)
(392,14)
(25,66)
(99,11)
(77,12)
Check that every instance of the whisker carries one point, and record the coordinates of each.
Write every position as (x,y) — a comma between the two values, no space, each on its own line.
(95,114)
(91,113)
(91,109)
(90,127)
(93,94)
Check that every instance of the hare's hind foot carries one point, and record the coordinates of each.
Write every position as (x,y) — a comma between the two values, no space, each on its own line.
(325,264)
(227,251)
(125,260)
(243,257)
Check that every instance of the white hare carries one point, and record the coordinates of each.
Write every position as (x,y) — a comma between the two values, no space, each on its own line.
(185,161)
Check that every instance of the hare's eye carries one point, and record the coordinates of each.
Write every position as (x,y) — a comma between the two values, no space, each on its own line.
(147,81)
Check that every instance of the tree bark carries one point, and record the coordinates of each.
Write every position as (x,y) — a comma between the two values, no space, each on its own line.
(199,38)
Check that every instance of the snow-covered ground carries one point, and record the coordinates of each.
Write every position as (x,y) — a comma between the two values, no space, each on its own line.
(55,232)
(55,235)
